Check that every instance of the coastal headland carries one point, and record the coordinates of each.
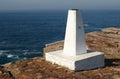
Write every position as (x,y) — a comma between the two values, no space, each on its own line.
(107,41)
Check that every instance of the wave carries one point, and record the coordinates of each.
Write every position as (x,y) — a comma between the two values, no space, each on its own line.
(4,51)
(1,53)
(10,56)
(3,42)
(25,58)
(28,53)
(85,25)
(7,56)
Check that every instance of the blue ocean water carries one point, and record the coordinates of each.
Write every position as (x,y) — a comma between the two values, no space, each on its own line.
(23,34)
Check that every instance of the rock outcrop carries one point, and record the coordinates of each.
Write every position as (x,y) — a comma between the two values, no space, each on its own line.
(54,46)
(38,68)
(5,74)
(108,40)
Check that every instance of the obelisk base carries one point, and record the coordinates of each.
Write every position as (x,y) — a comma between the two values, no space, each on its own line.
(86,61)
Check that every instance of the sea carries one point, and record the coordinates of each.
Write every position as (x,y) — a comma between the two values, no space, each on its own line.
(23,34)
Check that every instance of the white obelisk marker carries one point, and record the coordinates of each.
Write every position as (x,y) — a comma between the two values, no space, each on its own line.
(74,43)
(74,55)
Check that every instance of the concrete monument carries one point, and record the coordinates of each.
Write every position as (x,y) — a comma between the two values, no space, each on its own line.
(75,56)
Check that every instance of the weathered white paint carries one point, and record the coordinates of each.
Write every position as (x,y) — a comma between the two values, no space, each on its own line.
(74,38)
(75,55)
(79,62)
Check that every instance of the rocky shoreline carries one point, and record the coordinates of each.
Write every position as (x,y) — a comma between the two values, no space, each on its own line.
(106,41)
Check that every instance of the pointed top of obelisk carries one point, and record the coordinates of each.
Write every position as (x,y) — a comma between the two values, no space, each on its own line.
(75,9)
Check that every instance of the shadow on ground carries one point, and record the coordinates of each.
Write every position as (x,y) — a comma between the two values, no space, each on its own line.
(112,62)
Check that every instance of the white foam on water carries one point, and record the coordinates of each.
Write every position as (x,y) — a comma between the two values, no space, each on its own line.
(1,53)
(4,51)
(86,25)
(25,50)
(25,53)
(98,28)
(10,55)
(17,57)
(24,58)
(28,53)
